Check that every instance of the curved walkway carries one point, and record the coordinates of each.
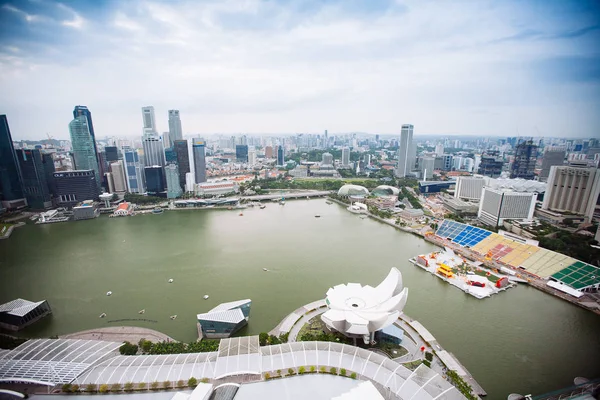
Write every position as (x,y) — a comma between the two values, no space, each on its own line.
(131,334)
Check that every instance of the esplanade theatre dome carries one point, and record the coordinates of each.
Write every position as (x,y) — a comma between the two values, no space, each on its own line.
(386,190)
(353,190)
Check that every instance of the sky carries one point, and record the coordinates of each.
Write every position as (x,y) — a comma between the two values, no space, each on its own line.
(482,68)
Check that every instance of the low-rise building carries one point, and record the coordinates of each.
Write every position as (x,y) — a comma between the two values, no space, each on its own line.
(497,205)
(383,202)
(85,210)
(215,188)
(17,314)
(123,210)
(412,214)
(225,319)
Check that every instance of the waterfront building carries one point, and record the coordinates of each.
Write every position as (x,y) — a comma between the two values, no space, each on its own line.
(428,187)
(469,187)
(225,319)
(553,156)
(189,182)
(269,152)
(85,210)
(353,191)
(241,153)
(199,151)
(175,132)
(84,147)
(497,205)
(124,209)
(385,190)
(215,188)
(491,164)
(134,172)
(359,311)
(83,111)
(73,187)
(406,152)
(155,180)
(523,165)
(49,169)
(148,119)
(118,176)
(281,156)
(17,314)
(154,151)
(345,157)
(183,160)
(172,177)
(573,190)
(111,153)
(35,183)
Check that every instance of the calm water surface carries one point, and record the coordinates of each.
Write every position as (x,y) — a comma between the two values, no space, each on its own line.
(518,341)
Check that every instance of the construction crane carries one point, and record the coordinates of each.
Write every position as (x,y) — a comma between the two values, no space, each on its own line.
(50,138)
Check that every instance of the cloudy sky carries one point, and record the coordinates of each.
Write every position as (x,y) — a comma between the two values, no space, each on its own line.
(506,68)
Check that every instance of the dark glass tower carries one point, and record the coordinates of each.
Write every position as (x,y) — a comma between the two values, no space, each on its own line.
(79,111)
(183,159)
(11,183)
(524,163)
(35,179)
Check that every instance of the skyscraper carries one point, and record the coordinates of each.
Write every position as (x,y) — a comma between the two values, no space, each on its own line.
(148,119)
(111,153)
(133,171)
(345,157)
(173,187)
(491,164)
(524,163)
(154,151)
(199,160)
(83,111)
(241,152)
(11,184)
(269,152)
(155,181)
(175,132)
(406,152)
(118,176)
(183,159)
(84,146)
(552,157)
(280,155)
(73,187)
(35,183)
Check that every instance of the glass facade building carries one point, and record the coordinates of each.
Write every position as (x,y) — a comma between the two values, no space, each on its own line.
(35,182)
(133,171)
(172,177)
(241,152)
(183,159)
(73,187)
(200,160)
(155,181)
(84,146)
(11,185)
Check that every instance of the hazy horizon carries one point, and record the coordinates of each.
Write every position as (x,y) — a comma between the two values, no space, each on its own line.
(486,68)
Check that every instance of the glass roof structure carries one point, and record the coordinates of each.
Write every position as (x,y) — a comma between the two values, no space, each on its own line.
(53,361)
(240,356)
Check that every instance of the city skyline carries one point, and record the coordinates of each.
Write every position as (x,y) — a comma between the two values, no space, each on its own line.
(510,69)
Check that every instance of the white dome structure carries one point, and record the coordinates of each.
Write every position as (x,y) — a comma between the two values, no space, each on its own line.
(353,190)
(386,190)
(356,310)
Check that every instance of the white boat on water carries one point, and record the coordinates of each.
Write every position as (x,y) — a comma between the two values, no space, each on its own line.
(171,280)
(205,297)
(108,293)
(103,315)
(266,270)
(142,311)
(173,316)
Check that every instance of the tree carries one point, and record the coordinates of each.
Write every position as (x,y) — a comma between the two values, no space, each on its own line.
(75,388)
(353,375)
(142,386)
(343,371)
(333,370)
(192,382)
(103,388)
(128,349)
(115,387)
(154,385)
(322,369)
(301,370)
(90,387)
(267,375)
(284,337)
(290,371)
(204,380)
(167,384)
(66,388)
(313,368)
(114,197)
(263,337)
(180,383)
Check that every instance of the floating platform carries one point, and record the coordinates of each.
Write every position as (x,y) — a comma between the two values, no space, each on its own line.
(452,268)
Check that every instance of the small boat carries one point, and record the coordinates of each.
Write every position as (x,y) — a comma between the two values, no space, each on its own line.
(142,311)
(282,203)
(266,270)
(173,316)
(328,202)
(108,293)
(317,216)
(205,297)
(157,210)
(241,214)
(263,207)
(171,280)
(103,315)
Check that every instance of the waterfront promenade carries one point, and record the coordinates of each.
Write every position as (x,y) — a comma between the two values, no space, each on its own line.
(131,334)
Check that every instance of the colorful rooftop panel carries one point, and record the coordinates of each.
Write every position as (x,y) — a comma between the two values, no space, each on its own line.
(545,262)
(579,275)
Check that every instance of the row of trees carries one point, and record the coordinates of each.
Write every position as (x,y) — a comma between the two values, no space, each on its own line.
(142,200)
(264,339)
(406,194)
(148,347)
(130,386)
(311,370)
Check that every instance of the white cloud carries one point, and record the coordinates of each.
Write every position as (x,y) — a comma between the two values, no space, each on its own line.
(250,66)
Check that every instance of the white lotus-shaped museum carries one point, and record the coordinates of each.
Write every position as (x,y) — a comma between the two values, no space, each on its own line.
(357,310)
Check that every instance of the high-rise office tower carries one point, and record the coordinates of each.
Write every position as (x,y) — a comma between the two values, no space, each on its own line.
(497,205)
(552,156)
(175,132)
(134,171)
(572,190)
(269,152)
(280,155)
(148,119)
(406,152)
(241,152)
(172,178)
(11,183)
(491,164)
(84,146)
(118,175)
(252,156)
(326,159)
(83,111)
(199,160)
(345,157)
(183,159)
(73,187)
(426,166)
(154,151)
(111,153)
(35,182)
(155,181)
(524,163)
(167,143)
(439,149)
